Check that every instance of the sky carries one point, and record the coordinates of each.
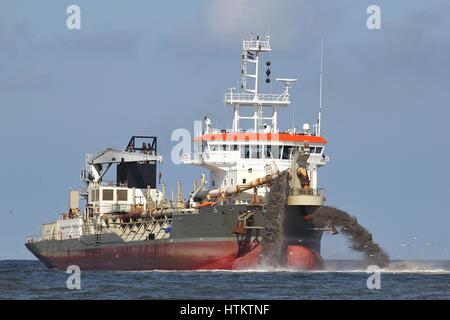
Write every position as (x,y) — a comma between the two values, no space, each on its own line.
(150,67)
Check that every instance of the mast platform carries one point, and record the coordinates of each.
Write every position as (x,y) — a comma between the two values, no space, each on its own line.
(262,99)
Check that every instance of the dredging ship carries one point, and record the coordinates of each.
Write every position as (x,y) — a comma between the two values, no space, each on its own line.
(131,225)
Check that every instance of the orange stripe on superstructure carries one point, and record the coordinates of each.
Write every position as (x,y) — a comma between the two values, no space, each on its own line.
(251,136)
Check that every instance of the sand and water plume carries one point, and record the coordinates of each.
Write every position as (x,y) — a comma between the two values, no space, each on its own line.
(272,237)
(360,238)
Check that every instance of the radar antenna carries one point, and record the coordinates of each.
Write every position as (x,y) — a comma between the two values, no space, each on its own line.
(248,95)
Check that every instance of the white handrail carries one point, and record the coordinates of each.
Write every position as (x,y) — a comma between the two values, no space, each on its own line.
(231,97)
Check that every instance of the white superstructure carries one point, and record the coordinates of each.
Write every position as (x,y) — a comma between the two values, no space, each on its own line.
(107,197)
(240,154)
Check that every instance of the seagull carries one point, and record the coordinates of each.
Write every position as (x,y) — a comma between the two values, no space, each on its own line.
(300,240)
(405,245)
(415,237)
(428,243)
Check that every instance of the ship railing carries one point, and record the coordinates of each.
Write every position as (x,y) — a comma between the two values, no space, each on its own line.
(115,207)
(43,238)
(30,239)
(262,45)
(212,156)
(50,237)
(112,184)
(109,184)
(191,158)
(222,156)
(261,98)
(318,192)
(318,159)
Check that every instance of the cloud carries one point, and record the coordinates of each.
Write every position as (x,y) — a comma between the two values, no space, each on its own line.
(287,20)
(229,18)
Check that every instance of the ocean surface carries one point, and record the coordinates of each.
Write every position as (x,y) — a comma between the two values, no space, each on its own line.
(27,279)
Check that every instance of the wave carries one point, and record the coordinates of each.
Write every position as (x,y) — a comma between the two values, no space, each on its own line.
(283,270)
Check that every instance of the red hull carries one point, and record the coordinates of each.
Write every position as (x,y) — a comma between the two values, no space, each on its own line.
(200,255)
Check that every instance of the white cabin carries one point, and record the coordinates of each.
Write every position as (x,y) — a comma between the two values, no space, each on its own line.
(237,155)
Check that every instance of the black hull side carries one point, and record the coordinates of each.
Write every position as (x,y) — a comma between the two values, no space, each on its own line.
(197,241)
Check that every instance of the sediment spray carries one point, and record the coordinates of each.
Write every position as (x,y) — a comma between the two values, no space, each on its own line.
(360,238)
(272,237)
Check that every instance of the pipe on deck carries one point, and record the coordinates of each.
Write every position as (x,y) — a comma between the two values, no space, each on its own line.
(236,189)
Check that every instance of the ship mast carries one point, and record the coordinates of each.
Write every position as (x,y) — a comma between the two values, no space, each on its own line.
(249,96)
(320,90)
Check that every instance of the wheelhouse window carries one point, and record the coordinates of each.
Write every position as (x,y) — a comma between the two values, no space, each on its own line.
(256,152)
(122,195)
(107,195)
(245,151)
(268,152)
(275,151)
(287,151)
(315,150)
(213,147)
